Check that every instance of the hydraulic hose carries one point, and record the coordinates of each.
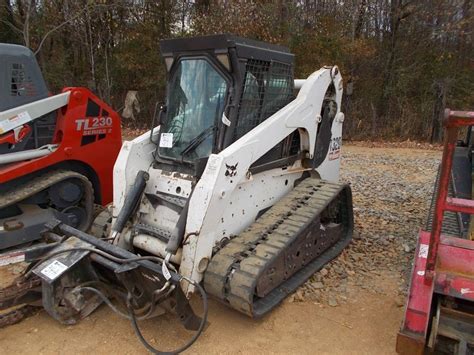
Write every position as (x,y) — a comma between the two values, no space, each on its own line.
(105,299)
(190,342)
(131,313)
(131,202)
(156,296)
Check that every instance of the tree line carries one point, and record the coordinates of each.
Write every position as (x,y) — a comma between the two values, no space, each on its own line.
(403,61)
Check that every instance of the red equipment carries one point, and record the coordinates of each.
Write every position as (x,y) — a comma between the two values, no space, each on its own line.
(56,152)
(56,162)
(86,147)
(87,144)
(439,315)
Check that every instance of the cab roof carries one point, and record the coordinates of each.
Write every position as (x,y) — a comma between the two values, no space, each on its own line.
(245,48)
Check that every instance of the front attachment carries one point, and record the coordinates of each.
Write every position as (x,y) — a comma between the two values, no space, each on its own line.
(82,272)
(66,267)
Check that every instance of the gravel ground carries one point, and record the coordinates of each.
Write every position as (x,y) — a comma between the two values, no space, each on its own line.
(392,191)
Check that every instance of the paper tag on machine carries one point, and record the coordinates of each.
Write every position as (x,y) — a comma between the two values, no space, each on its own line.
(166,140)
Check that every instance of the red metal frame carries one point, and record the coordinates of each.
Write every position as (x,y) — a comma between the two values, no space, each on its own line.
(443,264)
(96,159)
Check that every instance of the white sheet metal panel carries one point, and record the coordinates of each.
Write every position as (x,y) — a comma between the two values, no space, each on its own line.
(18,116)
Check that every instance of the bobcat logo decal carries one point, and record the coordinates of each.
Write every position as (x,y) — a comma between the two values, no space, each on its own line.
(231,170)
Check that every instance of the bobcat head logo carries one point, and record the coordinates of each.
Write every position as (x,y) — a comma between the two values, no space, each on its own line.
(231,170)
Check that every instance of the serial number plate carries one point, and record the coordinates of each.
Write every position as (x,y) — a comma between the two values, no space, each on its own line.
(53,270)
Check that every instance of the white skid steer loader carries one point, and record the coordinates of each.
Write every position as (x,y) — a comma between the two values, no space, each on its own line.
(234,192)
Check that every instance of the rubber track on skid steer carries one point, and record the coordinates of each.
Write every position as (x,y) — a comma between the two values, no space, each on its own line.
(45,181)
(277,238)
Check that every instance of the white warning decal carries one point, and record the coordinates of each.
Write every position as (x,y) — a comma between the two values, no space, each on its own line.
(12,259)
(423,252)
(53,270)
(335,148)
(15,121)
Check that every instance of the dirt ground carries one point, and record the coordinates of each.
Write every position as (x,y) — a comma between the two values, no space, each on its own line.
(365,323)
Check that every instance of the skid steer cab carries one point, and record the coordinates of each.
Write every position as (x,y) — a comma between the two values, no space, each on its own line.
(233,192)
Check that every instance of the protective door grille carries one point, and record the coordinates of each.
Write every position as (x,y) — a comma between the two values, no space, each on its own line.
(268,86)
